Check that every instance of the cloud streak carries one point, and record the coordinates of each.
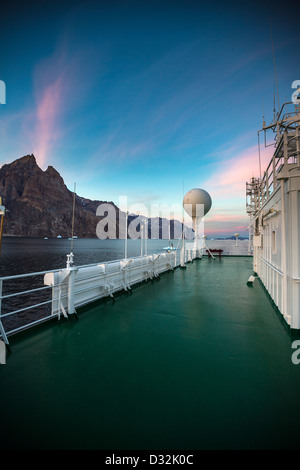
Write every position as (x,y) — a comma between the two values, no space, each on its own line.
(48,109)
(229,178)
(61,83)
(227,186)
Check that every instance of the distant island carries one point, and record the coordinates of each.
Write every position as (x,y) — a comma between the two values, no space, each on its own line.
(229,238)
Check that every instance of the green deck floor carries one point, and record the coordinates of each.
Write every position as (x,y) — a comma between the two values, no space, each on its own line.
(196,360)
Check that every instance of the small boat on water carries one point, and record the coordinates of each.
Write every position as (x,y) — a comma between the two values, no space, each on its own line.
(170,247)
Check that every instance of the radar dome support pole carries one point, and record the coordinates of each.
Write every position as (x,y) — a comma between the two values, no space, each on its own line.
(193,200)
(196,234)
(126,234)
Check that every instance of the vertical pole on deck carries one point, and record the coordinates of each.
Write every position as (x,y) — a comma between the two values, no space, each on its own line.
(73,218)
(146,239)
(2,220)
(142,227)
(2,331)
(126,234)
(1,231)
(71,288)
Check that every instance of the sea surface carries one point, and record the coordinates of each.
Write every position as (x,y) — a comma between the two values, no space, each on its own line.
(27,255)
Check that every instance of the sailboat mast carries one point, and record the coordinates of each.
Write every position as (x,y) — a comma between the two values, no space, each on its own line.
(73,218)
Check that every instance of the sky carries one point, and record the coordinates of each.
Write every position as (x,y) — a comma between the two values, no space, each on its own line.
(143,101)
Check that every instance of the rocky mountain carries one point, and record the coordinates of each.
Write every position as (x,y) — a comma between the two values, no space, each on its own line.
(38,204)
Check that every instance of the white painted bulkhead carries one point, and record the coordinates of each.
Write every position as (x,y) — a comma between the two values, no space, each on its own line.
(276,253)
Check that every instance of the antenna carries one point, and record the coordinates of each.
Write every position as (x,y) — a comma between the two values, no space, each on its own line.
(73,217)
(259,159)
(182,263)
(274,65)
(274,106)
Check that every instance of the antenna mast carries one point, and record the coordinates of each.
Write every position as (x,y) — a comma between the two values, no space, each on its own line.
(73,217)
(274,66)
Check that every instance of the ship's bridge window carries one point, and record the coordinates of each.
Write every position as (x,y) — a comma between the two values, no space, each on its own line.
(273,241)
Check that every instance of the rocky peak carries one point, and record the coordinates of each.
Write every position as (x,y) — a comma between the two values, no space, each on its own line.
(39,204)
(51,171)
(28,162)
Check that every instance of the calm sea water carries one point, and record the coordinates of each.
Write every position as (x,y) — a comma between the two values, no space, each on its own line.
(26,255)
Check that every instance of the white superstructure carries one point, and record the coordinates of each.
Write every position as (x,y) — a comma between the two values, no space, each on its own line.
(273,203)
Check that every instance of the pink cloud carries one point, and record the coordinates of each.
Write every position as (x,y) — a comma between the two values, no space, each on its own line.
(226,222)
(61,82)
(227,187)
(229,180)
(47,114)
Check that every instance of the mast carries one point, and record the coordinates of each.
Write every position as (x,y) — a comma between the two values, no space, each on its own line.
(73,217)
(2,212)
(70,256)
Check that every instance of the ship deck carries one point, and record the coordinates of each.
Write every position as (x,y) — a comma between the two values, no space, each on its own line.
(195,360)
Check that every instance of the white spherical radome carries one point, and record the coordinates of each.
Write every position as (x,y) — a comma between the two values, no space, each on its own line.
(193,200)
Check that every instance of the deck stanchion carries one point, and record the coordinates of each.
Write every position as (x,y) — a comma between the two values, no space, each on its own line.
(2,330)
(71,282)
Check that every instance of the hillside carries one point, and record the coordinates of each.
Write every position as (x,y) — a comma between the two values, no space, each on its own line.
(38,204)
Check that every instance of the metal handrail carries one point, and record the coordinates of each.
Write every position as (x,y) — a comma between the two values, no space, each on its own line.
(271,266)
(7,296)
(15,276)
(72,270)
(5,278)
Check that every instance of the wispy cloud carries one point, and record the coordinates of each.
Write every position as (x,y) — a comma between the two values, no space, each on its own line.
(60,83)
(227,186)
(47,129)
(230,176)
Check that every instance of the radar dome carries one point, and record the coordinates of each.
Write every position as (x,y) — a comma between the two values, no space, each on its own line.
(194,198)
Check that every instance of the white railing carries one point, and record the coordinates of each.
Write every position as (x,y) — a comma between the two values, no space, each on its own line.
(49,294)
(13,320)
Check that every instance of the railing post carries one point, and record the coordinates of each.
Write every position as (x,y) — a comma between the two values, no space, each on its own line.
(71,288)
(4,337)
